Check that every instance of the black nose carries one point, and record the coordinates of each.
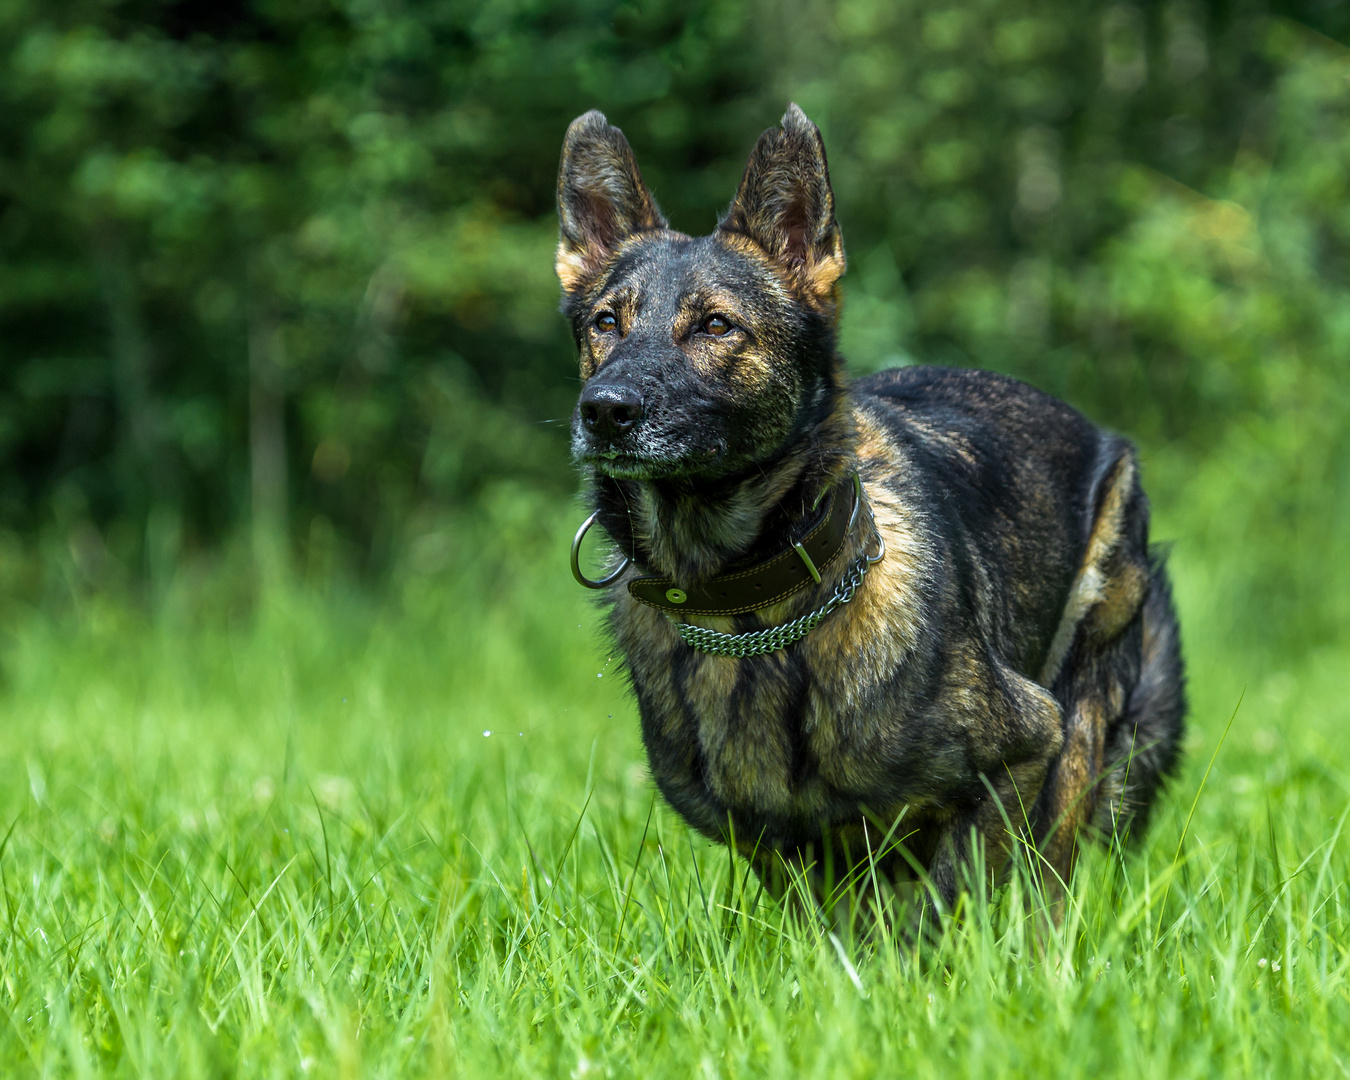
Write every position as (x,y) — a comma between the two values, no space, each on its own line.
(610,409)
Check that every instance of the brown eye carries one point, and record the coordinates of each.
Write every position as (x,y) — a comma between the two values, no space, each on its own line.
(716,326)
(605,322)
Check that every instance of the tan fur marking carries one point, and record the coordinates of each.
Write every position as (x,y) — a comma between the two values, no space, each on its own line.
(1120,598)
(819,293)
(575,266)
(711,685)
(822,274)
(749,369)
(1091,584)
(1074,800)
(867,641)
(748,762)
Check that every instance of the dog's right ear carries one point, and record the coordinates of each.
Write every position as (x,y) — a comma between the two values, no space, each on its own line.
(601,199)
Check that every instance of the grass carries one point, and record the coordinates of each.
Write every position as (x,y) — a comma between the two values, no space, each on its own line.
(287,845)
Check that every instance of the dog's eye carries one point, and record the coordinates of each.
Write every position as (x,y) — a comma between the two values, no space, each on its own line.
(605,322)
(716,326)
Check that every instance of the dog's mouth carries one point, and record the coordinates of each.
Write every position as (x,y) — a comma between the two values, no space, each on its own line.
(622,465)
(625,466)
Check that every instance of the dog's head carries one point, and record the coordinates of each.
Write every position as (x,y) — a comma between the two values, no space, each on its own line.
(700,357)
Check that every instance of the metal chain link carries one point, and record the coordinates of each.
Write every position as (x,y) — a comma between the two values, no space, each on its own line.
(758,642)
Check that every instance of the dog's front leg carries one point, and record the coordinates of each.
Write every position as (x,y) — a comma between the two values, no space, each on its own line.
(994,825)
(1015,739)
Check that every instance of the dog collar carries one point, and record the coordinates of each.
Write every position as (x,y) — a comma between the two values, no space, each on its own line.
(753,587)
(773,638)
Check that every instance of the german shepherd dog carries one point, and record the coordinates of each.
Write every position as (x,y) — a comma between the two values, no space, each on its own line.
(925,597)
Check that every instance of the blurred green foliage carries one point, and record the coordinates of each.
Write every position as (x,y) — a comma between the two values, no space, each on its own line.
(290,264)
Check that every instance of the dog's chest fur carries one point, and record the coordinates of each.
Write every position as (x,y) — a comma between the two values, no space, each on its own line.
(761,739)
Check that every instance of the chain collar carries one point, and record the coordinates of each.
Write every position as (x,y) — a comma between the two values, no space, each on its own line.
(773,638)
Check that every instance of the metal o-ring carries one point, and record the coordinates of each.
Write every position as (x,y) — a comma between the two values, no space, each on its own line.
(582,579)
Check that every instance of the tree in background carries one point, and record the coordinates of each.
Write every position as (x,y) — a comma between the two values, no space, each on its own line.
(286,268)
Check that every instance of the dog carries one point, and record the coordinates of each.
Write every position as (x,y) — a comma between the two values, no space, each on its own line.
(919,606)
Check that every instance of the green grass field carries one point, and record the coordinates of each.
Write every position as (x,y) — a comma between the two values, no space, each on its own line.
(330,836)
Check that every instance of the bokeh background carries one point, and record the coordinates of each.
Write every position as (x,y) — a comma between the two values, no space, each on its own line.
(276,298)
(312,759)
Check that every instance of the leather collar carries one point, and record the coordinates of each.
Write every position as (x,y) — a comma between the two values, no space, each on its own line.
(761,584)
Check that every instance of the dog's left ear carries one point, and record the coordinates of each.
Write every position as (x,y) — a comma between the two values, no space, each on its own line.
(786,206)
(601,199)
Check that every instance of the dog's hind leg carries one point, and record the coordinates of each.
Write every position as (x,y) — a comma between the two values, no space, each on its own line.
(1143,745)
(1095,678)
(1095,685)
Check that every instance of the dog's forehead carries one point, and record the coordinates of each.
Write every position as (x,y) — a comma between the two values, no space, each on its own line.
(670,266)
